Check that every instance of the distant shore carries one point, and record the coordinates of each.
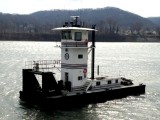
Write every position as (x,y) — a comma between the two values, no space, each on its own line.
(55,37)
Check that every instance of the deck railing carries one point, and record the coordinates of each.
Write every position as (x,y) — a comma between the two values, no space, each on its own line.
(43,65)
(75,44)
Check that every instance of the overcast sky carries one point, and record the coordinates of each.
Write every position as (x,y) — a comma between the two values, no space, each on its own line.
(145,8)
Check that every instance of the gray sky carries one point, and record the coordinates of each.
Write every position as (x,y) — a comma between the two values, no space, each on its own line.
(145,8)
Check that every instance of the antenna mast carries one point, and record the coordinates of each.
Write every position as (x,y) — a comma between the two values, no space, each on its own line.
(75,20)
(93,52)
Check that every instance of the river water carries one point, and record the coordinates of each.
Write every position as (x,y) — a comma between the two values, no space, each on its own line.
(137,61)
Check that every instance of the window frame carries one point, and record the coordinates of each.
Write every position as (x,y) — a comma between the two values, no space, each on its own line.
(109,82)
(116,81)
(80,56)
(66,35)
(80,78)
(78,36)
(98,83)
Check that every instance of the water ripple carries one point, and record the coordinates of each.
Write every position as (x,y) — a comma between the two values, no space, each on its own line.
(138,61)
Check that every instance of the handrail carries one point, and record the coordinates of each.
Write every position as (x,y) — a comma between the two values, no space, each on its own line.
(43,64)
(88,86)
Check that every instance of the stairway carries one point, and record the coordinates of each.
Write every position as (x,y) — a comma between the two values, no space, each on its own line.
(81,88)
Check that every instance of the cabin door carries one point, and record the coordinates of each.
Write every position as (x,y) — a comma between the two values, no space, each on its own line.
(66,77)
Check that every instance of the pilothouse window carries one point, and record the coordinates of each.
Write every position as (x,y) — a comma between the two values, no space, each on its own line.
(78,36)
(66,35)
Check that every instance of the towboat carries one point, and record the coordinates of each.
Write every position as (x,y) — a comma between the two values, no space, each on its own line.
(74,87)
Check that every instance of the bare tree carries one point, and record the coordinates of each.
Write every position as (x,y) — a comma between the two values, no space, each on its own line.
(137,26)
(113,25)
(158,30)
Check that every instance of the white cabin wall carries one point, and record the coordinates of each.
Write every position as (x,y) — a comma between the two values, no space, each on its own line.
(73,59)
(73,78)
(76,82)
(70,77)
(85,36)
(73,55)
(76,52)
(75,66)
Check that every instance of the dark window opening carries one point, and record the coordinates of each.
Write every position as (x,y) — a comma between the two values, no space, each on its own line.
(66,35)
(98,83)
(78,36)
(116,81)
(109,82)
(80,56)
(66,77)
(79,77)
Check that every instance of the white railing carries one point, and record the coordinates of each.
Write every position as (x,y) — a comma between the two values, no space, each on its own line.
(90,84)
(69,43)
(43,65)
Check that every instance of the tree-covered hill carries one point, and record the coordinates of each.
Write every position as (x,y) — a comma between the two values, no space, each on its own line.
(108,20)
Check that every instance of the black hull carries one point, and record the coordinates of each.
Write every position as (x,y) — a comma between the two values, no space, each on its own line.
(82,99)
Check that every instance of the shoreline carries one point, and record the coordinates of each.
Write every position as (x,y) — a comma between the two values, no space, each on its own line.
(51,37)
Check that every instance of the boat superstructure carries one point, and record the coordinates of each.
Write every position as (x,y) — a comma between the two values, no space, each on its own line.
(75,86)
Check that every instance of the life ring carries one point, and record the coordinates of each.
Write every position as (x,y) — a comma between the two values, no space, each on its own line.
(84,70)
